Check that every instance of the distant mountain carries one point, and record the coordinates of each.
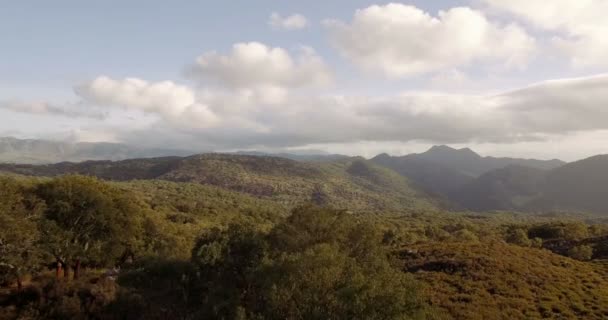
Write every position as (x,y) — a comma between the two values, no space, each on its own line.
(30,151)
(579,186)
(508,188)
(308,155)
(466,161)
(347,183)
(444,170)
(429,176)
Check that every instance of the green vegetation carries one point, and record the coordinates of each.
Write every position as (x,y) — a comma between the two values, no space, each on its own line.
(352,183)
(241,237)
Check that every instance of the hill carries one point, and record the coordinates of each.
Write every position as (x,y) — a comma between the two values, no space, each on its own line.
(509,188)
(474,280)
(578,186)
(467,162)
(444,170)
(429,176)
(349,183)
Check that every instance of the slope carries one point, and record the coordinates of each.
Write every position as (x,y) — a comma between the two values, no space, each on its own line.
(578,186)
(474,280)
(352,183)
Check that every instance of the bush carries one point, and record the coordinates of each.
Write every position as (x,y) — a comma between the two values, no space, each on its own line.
(582,252)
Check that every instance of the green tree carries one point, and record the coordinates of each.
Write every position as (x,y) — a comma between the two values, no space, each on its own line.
(518,236)
(19,236)
(316,264)
(582,252)
(228,261)
(89,221)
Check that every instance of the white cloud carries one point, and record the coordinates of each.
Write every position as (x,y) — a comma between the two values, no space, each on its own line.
(401,40)
(580,25)
(171,101)
(255,65)
(534,113)
(292,22)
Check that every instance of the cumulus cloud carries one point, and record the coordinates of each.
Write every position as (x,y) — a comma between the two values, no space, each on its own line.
(292,22)
(167,99)
(529,114)
(255,65)
(400,40)
(580,25)
(71,110)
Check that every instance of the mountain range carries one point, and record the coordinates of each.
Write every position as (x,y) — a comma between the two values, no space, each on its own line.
(477,183)
(442,176)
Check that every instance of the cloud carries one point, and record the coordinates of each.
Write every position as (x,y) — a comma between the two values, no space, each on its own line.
(292,22)
(255,65)
(533,113)
(400,40)
(580,26)
(70,110)
(173,102)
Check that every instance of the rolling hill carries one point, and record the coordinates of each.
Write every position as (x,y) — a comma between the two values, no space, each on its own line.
(348,183)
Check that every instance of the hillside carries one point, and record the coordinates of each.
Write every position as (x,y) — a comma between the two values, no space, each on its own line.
(354,183)
(579,186)
(474,280)
(444,170)
(509,188)
(467,162)
(429,176)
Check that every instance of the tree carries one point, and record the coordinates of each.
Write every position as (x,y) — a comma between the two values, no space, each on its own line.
(316,264)
(19,236)
(89,221)
(582,252)
(228,261)
(518,236)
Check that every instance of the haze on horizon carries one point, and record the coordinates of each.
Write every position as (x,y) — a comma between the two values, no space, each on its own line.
(505,78)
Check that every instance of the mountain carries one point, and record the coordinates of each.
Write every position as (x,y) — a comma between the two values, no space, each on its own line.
(508,188)
(348,183)
(308,155)
(429,176)
(31,151)
(577,186)
(466,161)
(14,150)
(444,170)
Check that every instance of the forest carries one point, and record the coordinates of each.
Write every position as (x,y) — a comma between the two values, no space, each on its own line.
(79,247)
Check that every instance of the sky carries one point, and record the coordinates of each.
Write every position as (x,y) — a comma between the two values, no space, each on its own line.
(521,78)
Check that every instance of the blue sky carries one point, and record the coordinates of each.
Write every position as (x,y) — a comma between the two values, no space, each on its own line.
(431,78)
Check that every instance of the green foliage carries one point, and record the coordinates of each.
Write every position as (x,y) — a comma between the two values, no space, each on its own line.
(89,220)
(189,250)
(519,237)
(582,252)
(19,236)
(317,264)
(478,280)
